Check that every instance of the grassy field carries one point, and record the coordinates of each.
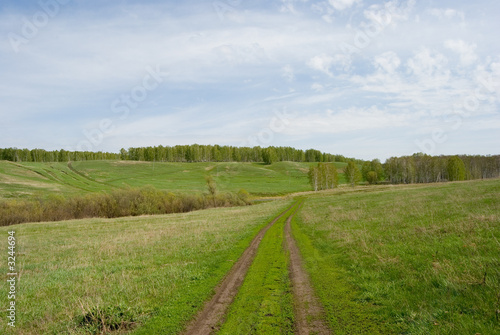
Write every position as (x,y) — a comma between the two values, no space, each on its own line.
(155,271)
(39,179)
(25,180)
(419,259)
(407,259)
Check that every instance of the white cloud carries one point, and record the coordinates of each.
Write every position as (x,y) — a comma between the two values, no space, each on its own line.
(288,6)
(428,65)
(347,120)
(241,54)
(288,73)
(324,62)
(388,61)
(390,12)
(342,4)
(317,87)
(447,13)
(321,63)
(325,10)
(486,124)
(367,118)
(487,82)
(466,51)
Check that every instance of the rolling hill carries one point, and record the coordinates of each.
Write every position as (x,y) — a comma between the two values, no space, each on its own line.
(25,180)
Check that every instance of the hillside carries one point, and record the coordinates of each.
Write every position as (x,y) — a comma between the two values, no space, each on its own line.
(24,180)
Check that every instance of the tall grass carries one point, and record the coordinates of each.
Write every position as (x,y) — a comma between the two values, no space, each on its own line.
(118,203)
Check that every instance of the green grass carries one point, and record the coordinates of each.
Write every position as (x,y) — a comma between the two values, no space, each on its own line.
(154,271)
(264,303)
(258,179)
(25,180)
(424,259)
(346,314)
(418,259)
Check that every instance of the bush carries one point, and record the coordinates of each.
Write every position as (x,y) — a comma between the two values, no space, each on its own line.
(243,195)
(129,202)
(371,177)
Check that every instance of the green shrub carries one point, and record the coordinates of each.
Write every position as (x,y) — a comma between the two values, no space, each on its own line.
(244,195)
(129,202)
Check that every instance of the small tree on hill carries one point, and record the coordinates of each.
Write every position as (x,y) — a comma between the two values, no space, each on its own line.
(352,173)
(373,171)
(323,177)
(212,188)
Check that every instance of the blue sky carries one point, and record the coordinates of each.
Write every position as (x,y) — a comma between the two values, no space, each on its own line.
(366,79)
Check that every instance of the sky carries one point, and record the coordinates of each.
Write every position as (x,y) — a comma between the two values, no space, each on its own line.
(365,79)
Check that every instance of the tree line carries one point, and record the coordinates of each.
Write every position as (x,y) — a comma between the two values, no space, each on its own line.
(217,153)
(418,168)
(178,153)
(45,156)
(422,168)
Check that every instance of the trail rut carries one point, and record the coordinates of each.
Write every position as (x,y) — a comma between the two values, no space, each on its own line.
(309,313)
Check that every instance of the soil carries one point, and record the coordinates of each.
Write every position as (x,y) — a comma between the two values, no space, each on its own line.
(309,313)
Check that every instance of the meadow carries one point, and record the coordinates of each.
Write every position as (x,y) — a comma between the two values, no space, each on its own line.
(155,270)
(29,180)
(420,259)
(382,259)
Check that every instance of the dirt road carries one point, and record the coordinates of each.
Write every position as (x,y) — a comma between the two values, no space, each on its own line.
(309,314)
(212,315)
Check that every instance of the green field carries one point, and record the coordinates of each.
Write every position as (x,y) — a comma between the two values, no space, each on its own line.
(425,259)
(25,180)
(407,259)
(159,269)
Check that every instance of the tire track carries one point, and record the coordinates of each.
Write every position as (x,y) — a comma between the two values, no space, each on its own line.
(309,313)
(211,316)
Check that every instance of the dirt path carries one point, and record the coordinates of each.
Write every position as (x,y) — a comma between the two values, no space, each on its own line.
(210,318)
(309,314)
